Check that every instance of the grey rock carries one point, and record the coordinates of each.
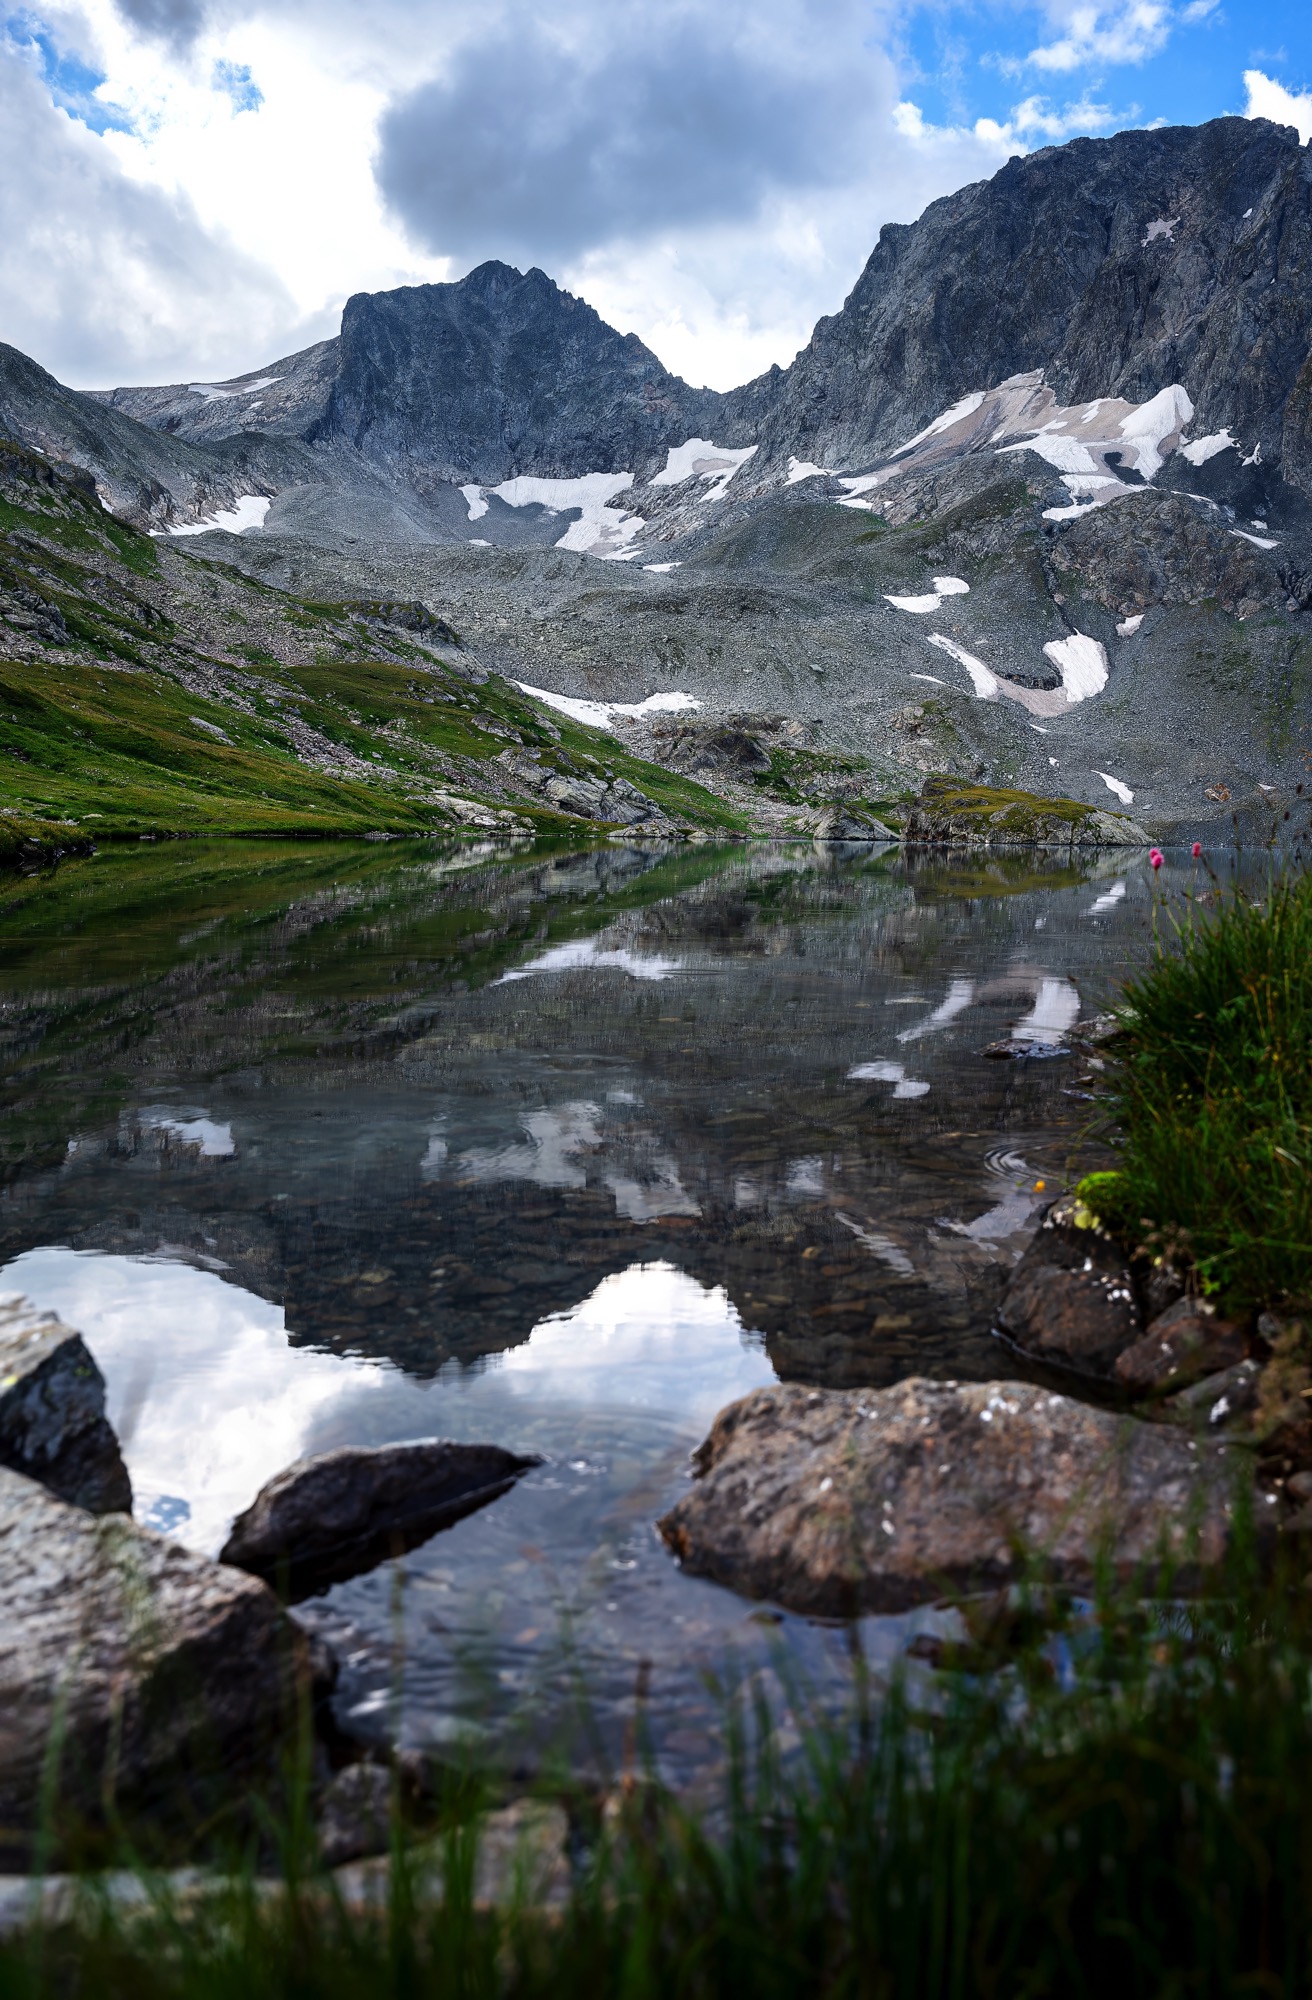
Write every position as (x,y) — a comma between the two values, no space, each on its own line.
(1070,1300)
(521,1861)
(148,1674)
(835,1502)
(850,826)
(355,1814)
(1166,549)
(499,374)
(52,1411)
(334,1515)
(1183,1344)
(1223,1402)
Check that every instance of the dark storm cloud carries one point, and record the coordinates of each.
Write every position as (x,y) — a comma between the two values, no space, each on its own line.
(174,22)
(530,151)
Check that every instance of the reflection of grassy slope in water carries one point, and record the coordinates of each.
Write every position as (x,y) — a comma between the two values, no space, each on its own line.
(109,958)
(136,700)
(1213,1093)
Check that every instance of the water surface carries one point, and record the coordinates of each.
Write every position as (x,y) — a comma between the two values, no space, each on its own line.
(564,1150)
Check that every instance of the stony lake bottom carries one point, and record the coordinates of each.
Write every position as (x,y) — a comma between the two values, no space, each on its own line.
(558,1149)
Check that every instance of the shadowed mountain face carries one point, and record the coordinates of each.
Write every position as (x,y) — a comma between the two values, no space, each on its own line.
(1117,266)
(497,376)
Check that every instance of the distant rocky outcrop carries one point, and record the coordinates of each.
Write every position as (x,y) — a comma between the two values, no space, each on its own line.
(950,814)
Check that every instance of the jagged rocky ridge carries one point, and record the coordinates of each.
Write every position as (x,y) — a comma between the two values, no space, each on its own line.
(1058,434)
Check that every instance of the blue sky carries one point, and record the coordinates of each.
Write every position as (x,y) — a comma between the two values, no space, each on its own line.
(192,188)
(965,62)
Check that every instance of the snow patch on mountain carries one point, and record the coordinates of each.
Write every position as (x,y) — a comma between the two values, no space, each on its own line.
(1082,663)
(247,512)
(598,714)
(944,586)
(1103,450)
(700,459)
(219,392)
(1199,450)
(601,530)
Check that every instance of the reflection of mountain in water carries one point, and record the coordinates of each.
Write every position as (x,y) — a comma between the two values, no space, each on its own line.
(424,1106)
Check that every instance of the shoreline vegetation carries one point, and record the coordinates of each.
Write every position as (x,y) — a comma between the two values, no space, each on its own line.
(1058,1791)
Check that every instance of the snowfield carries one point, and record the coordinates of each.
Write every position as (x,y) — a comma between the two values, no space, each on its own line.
(247,512)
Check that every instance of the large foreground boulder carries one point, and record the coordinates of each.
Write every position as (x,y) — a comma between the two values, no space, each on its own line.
(329,1517)
(843,1501)
(133,1675)
(52,1411)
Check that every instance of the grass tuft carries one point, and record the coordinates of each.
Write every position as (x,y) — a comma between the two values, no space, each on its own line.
(1212,1091)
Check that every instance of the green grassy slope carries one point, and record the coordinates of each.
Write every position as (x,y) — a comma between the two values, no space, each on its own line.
(147,691)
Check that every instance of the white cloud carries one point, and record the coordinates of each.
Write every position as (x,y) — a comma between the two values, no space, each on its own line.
(1269,99)
(1129,31)
(102,276)
(715,205)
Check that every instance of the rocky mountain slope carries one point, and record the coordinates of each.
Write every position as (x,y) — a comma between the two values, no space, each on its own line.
(1032,509)
(145,689)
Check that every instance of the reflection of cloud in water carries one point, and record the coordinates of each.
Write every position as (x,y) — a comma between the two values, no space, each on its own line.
(209,1399)
(884,1247)
(586,954)
(215,1141)
(960,994)
(1014,1212)
(1109,900)
(556,1138)
(889,1072)
(644,1181)
(649,1336)
(1054,1013)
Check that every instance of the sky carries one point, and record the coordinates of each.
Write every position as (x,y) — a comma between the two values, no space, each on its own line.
(190,189)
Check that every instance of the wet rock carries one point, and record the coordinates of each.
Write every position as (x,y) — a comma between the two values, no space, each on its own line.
(355,1813)
(1183,1344)
(836,1502)
(165,1674)
(52,1411)
(1070,1299)
(332,1516)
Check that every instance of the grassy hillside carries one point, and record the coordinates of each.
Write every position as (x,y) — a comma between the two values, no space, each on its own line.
(147,691)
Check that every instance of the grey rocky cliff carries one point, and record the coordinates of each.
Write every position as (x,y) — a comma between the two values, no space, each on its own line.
(497,375)
(1053,264)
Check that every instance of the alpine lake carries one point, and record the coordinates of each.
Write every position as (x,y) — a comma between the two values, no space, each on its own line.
(560,1149)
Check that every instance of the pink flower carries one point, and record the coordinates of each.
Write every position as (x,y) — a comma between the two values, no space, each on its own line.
(1198,848)
(1156,857)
